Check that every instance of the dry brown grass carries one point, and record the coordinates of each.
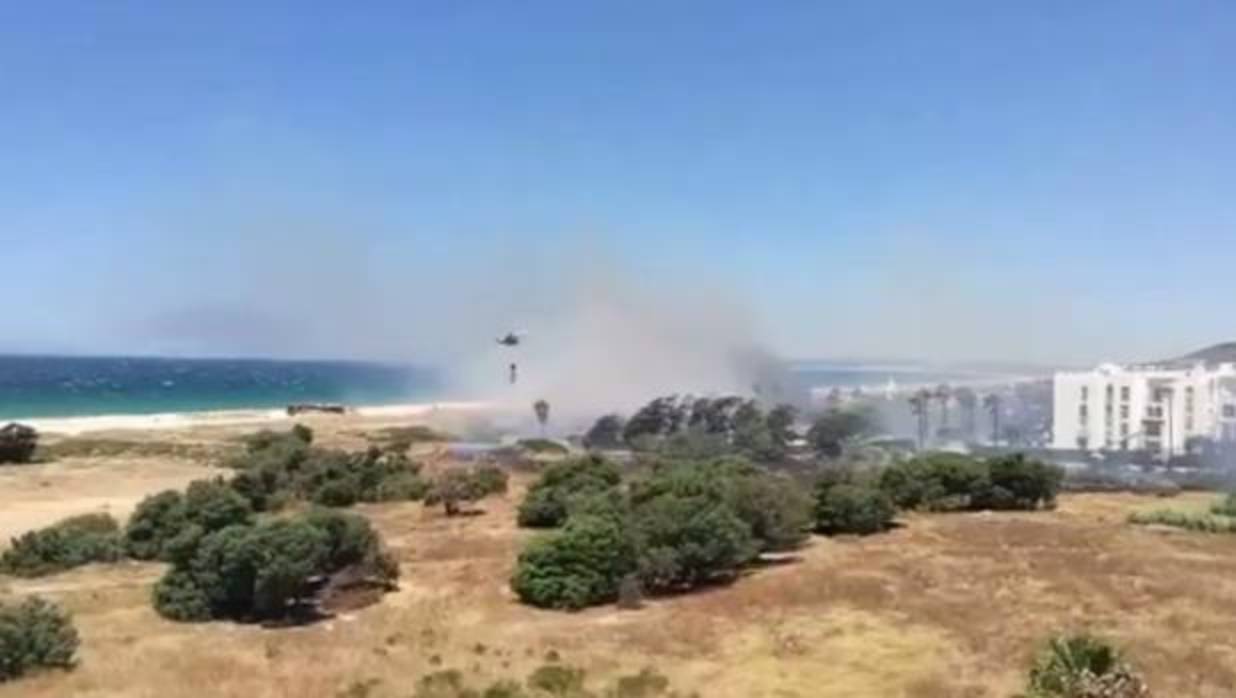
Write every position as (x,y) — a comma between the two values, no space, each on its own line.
(948,606)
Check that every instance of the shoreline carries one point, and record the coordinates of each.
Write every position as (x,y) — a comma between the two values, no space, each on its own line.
(81,424)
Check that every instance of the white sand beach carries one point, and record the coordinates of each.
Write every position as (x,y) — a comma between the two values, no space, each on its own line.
(72,426)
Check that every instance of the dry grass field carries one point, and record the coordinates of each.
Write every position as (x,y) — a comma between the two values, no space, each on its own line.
(946,606)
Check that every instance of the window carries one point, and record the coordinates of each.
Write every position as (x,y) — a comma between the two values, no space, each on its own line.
(1189,424)
(1124,444)
(1083,443)
(1083,412)
(1154,429)
(1154,412)
(1124,428)
(1111,389)
(1229,411)
(1124,411)
(1124,393)
(1085,393)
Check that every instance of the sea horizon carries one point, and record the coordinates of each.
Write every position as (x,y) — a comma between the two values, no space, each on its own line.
(52,386)
(35,386)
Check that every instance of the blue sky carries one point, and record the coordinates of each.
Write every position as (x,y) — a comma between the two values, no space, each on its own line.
(1048,181)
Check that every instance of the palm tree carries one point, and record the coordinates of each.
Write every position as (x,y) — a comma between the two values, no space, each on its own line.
(541,408)
(920,403)
(992,403)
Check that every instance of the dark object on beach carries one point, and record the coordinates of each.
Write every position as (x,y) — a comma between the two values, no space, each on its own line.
(17,443)
(324,408)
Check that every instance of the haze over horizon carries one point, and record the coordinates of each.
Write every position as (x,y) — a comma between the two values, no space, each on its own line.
(1048,184)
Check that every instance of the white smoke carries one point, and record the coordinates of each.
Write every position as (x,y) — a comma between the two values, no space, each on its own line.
(605,343)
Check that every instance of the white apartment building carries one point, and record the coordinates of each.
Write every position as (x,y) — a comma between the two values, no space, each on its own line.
(1161,408)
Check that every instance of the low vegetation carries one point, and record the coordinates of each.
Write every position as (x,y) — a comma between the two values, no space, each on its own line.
(687,524)
(543,447)
(277,468)
(1225,506)
(547,681)
(957,482)
(845,507)
(35,634)
(403,438)
(18,443)
(1191,521)
(457,487)
(169,520)
(282,569)
(562,485)
(70,543)
(91,447)
(1082,666)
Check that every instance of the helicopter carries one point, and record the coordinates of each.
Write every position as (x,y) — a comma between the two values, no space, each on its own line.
(511,339)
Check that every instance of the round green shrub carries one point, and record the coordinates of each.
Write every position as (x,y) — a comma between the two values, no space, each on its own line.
(35,633)
(548,501)
(688,541)
(157,519)
(268,571)
(579,566)
(336,493)
(213,505)
(853,509)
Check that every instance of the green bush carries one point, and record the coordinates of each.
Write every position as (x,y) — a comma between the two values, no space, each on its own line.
(157,519)
(831,431)
(277,469)
(847,508)
(937,481)
(213,505)
(17,443)
(34,634)
(272,570)
(956,482)
(341,492)
(1226,506)
(403,487)
(205,507)
(688,541)
(1204,523)
(459,486)
(776,508)
(70,543)
(549,499)
(580,565)
(688,523)
(1014,482)
(1081,666)
(557,680)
